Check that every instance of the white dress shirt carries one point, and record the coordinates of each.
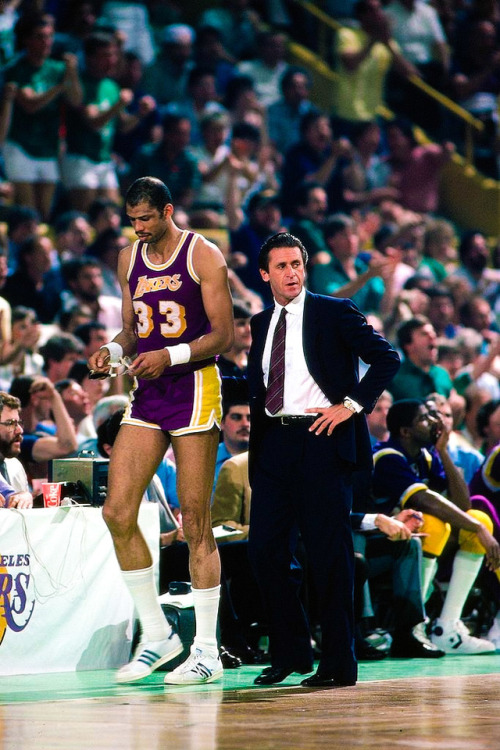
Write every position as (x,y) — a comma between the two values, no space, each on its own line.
(301,390)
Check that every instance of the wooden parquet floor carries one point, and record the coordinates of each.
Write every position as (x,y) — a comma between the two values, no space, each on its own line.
(397,704)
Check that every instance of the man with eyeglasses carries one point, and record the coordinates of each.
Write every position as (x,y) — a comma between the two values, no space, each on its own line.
(13,480)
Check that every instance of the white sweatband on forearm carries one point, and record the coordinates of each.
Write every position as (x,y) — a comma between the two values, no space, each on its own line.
(115,351)
(179,354)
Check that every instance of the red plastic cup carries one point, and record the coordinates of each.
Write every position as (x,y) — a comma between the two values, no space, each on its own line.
(51,494)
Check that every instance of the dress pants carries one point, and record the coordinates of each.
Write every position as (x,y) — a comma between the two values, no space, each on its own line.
(299,485)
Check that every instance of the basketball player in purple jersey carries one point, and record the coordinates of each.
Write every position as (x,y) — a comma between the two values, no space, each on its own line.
(177,315)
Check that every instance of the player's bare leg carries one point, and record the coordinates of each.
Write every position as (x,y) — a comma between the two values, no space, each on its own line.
(136,454)
(195,459)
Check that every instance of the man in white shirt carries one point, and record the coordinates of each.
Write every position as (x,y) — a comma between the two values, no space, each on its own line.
(308,434)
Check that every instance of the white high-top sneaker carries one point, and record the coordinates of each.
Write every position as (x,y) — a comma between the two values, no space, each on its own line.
(453,637)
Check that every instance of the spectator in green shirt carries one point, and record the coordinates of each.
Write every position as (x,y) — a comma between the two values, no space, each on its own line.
(88,168)
(31,149)
(365,278)
(419,374)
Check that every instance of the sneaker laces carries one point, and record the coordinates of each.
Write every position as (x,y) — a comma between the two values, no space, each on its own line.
(194,664)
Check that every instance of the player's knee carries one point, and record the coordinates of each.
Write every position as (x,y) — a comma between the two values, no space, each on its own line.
(468,540)
(196,527)
(118,520)
(438,534)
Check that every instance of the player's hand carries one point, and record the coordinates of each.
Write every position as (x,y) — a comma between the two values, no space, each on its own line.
(328,418)
(98,362)
(150,365)
(491,546)
(21,500)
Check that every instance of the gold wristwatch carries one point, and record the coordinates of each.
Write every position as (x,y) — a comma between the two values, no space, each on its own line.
(349,404)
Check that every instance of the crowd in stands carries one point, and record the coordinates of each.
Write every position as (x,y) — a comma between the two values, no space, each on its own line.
(96,94)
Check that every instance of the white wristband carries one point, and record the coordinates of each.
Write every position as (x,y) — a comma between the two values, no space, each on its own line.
(115,351)
(179,354)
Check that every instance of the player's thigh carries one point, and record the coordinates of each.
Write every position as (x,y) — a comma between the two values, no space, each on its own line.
(195,456)
(136,454)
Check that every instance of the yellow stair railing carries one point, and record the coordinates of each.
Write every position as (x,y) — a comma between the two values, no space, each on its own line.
(467,197)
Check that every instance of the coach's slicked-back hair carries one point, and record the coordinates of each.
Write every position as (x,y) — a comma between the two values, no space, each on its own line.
(148,190)
(282,239)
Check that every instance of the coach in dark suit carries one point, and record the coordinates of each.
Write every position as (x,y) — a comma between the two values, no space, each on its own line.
(304,444)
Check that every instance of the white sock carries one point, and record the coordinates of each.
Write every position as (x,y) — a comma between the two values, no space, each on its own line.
(206,608)
(466,566)
(429,567)
(142,587)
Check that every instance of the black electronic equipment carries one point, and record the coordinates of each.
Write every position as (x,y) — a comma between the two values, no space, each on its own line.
(89,471)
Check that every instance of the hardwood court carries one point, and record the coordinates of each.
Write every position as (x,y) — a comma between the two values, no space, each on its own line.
(450,704)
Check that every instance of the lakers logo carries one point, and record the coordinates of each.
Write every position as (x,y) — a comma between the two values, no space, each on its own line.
(16,602)
(157,284)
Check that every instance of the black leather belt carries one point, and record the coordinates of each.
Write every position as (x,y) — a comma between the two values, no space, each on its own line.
(296,419)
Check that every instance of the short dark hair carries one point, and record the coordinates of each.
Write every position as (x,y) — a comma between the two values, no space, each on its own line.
(308,120)
(148,190)
(304,190)
(20,312)
(439,291)
(290,73)
(234,391)
(96,41)
(28,23)
(241,311)
(282,239)
(84,331)
(466,243)
(79,371)
(57,346)
(20,388)
(20,215)
(405,330)
(64,221)
(70,269)
(337,223)
(108,430)
(236,86)
(64,384)
(246,131)
(484,413)
(99,205)
(401,414)
(466,309)
(104,241)
(27,248)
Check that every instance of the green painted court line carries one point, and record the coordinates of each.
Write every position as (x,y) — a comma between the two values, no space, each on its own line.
(100,684)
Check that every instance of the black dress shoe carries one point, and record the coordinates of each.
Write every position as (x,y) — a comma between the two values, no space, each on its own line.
(273,675)
(366,652)
(249,655)
(409,647)
(229,661)
(325,680)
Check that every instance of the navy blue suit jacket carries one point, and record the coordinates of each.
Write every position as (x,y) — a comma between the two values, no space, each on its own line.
(335,335)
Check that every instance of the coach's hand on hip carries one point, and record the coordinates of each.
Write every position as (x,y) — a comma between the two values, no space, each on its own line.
(328,417)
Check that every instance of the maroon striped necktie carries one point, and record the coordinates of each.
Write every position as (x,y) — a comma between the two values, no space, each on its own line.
(276,379)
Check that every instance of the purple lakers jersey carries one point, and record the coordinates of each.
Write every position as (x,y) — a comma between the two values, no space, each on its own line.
(167,301)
